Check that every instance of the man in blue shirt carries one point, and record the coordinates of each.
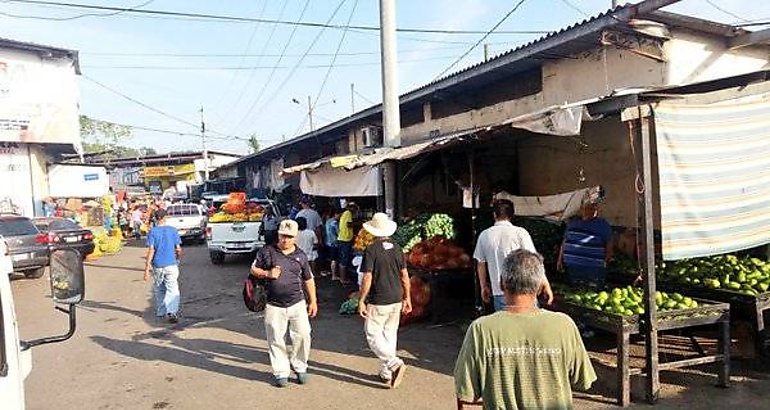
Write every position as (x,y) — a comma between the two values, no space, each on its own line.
(587,246)
(163,252)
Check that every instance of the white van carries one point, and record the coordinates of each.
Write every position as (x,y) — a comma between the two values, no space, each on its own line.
(67,280)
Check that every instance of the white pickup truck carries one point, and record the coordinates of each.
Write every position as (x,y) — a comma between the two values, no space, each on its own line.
(189,220)
(67,287)
(235,238)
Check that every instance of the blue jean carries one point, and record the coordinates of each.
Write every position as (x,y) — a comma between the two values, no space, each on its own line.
(165,287)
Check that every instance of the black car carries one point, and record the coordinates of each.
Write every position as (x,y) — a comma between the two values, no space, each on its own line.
(28,247)
(63,233)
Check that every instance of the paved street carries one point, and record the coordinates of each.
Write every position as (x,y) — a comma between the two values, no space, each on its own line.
(123,358)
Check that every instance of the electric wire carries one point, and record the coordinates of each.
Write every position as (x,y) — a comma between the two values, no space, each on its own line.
(273,69)
(110,14)
(207,16)
(484,37)
(725,11)
(575,7)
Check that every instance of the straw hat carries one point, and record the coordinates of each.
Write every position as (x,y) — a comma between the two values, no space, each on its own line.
(381,225)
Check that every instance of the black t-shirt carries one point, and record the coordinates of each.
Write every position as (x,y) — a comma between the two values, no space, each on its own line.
(295,270)
(385,259)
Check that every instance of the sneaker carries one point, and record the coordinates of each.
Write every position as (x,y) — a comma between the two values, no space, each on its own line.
(173,318)
(385,378)
(302,378)
(281,381)
(398,375)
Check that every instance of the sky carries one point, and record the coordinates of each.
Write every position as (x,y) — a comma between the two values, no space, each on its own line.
(255,78)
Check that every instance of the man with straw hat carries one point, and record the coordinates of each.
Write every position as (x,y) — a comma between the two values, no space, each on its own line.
(386,284)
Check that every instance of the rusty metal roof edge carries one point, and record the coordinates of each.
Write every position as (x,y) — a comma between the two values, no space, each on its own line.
(38,48)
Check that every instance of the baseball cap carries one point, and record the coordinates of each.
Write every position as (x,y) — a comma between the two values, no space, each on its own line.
(288,228)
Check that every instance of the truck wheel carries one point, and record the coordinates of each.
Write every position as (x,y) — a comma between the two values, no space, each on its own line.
(217,258)
(34,273)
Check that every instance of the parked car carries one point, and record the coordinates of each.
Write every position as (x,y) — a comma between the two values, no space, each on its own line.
(27,247)
(189,220)
(65,234)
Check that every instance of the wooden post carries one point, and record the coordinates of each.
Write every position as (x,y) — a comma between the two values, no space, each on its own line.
(648,262)
(623,368)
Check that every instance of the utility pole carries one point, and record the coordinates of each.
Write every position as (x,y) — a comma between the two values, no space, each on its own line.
(486,52)
(205,150)
(310,113)
(391,116)
(352,98)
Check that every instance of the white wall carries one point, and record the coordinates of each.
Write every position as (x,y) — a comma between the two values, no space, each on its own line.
(74,181)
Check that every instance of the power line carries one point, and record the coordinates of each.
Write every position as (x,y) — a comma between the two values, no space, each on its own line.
(274,68)
(114,13)
(147,106)
(253,20)
(484,37)
(233,55)
(728,12)
(364,97)
(334,58)
(575,7)
(236,68)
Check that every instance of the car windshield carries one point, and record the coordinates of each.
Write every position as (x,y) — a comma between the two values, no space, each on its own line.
(17,227)
(183,210)
(63,225)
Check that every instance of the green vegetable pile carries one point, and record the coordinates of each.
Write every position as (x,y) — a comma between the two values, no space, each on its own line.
(628,301)
(742,274)
(546,235)
(349,307)
(425,226)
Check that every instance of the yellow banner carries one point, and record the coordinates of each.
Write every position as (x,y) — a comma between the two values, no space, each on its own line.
(169,171)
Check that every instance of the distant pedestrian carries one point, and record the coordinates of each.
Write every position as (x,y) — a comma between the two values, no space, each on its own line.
(386,285)
(314,221)
(345,242)
(492,247)
(288,280)
(522,357)
(163,253)
(49,207)
(269,226)
(137,217)
(307,241)
(331,249)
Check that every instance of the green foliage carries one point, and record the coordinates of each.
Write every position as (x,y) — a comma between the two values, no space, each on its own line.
(254,144)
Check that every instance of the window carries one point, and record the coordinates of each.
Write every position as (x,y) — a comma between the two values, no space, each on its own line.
(17,227)
(183,210)
(63,225)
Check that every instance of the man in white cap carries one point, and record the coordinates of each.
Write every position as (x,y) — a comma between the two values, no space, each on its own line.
(386,284)
(286,271)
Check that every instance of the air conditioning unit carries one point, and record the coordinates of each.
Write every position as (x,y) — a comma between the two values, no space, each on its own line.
(372,137)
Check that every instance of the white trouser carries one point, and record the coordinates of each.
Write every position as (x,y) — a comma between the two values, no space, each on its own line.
(381,330)
(277,320)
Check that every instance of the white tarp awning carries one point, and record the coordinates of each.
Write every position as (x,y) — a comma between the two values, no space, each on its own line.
(563,121)
(337,182)
(559,207)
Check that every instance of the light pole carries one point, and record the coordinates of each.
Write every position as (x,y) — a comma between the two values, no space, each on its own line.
(391,117)
(310,109)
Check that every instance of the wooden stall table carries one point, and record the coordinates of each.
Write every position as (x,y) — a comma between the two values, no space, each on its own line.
(447,286)
(707,313)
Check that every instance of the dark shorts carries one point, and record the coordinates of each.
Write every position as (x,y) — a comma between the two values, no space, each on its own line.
(591,277)
(344,253)
(331,252)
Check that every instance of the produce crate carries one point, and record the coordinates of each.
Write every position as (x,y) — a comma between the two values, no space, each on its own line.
(707,313)
(447,287)
(750,307)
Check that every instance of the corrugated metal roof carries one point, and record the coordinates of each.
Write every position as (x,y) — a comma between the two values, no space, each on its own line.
(56,52)
(559,44)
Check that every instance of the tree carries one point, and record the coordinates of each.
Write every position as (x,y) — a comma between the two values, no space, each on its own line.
(253,143)
(100,136)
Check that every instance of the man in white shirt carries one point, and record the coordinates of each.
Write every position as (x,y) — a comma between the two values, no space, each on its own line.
(493,246)
(314,221)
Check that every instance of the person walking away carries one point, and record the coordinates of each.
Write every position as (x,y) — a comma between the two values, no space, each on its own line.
(345,242)
(288,279)
(587,247)
(522,357)
(314,221)
(269,226)
(49,207)
(307,242)
(136,222)
(386,285)
(332,232)
(492,247)
(164,248)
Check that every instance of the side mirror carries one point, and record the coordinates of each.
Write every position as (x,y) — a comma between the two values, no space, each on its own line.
(67,277)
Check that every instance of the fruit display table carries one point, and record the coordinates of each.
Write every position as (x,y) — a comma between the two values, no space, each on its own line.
(446,288)
(706,313)
(753,308)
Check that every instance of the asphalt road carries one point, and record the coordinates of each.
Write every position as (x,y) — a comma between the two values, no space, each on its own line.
(122,357)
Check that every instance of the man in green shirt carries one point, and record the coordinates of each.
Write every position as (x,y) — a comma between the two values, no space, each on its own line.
(522,357)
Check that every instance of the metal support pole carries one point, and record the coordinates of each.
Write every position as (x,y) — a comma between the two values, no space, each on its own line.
(205,150)
(352,98)
(486,52)
(391,117)
(648,263)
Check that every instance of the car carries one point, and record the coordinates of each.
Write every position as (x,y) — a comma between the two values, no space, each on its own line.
(189,220)
(28,247)
(66,234)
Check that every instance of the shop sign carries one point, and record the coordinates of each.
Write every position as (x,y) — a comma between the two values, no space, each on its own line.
(168,171)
